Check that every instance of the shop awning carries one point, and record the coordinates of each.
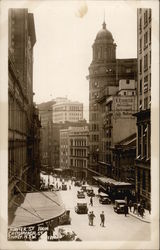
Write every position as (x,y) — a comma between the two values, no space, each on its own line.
(37,207)
(58,169)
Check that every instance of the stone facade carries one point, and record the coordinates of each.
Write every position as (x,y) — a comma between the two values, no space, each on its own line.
(24,124)
(143,154)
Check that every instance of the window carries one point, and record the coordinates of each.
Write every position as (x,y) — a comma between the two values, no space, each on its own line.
(145,39)
(150,80)
(132,93)
(124,93)
(144,180)
(127,81)
(145,103)
(146,61)
(140,87)
(140,25)
(150,35)
(140,45)
(139,140)
(150,14)
(150,58)
(140,66)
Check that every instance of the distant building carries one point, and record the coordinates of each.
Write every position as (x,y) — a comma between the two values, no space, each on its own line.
(105,73)
(66,110)
(74,150)
(143,154)
(45,112)
(24,124)
(79,149)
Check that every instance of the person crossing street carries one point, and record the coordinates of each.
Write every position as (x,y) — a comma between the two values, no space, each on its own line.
(102,216)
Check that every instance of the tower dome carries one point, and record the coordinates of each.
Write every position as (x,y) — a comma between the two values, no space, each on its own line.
(104,34)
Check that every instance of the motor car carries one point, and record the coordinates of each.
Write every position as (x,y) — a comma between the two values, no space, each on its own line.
(104,198)
(119,206)
(85,188)
(64,187)
(64,234)
(90,192)
(81,208)
(77,183)
(80,194)
(65,219)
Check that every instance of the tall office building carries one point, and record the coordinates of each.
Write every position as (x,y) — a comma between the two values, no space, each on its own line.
(66,110)
(105,72)
(24,124)
(142,164)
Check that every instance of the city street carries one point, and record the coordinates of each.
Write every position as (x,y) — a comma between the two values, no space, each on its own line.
(117,226)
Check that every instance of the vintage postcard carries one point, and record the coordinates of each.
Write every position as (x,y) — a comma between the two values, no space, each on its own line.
(79,106)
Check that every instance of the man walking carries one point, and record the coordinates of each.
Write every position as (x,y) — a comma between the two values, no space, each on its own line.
(91,201)
(102,219)
(92,218)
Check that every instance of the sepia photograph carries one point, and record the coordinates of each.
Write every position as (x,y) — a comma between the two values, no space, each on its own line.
(79,134)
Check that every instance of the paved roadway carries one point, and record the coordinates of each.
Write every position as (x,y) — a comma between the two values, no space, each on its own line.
(117,226)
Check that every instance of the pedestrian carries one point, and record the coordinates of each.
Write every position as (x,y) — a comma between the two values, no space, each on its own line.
(130,206)
(134,208)
(125,210)
(91,201)
(102,219)
(142,211)
(139,209)
(89,218)
(92,218)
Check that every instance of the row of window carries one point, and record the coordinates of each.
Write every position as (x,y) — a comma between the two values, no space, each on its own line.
(78,163)
(78,142)
(146,18)
(147,84)
(143,141)
(78,152)
(147,62)
(94,138)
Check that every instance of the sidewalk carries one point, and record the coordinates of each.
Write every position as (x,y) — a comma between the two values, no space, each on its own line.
(146,218)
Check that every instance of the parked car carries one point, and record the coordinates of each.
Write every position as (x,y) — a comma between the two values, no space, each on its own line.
(104,198)
(64,187)
(81,208)
(65,219)
(119,206)
(90,192)
(80,194)
(77,183)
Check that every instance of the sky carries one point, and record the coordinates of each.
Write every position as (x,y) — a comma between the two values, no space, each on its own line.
(65,33)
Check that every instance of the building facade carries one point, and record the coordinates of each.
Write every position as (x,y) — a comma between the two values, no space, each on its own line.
(143,154)
(66,110)
(124,154)
(78,155)
(74,150)
(119,122)
(23,125)
(45,112)
(105,72)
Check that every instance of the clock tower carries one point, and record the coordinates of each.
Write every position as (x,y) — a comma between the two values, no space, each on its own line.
(102,77)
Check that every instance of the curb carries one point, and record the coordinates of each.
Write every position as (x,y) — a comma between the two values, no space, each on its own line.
(139,218)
